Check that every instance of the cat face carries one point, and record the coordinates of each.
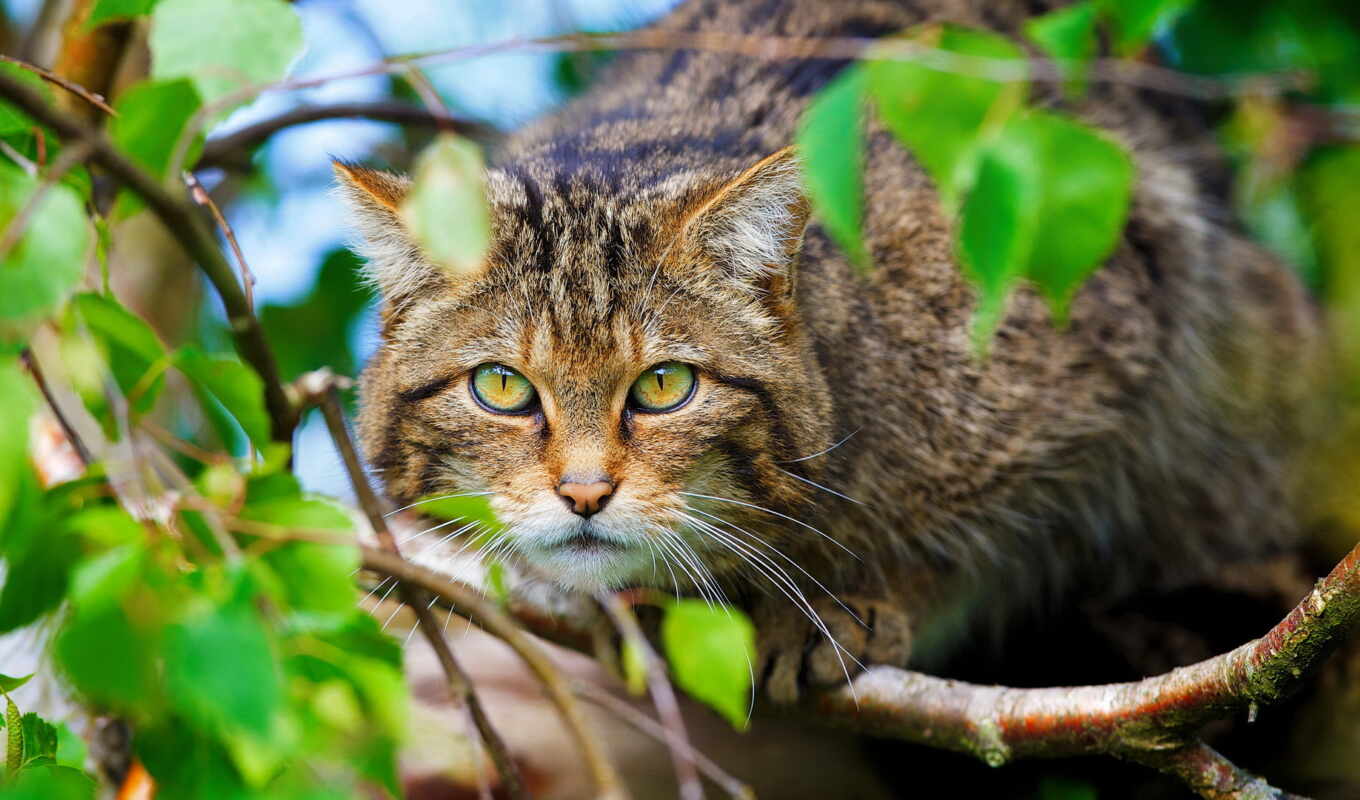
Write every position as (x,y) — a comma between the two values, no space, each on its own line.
(627,382)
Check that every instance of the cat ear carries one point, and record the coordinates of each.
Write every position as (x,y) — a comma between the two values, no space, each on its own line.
(753,226)
(395,263)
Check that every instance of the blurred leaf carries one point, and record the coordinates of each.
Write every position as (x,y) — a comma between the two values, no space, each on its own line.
(8,684)
(316,577)
(1135,22)
(49,257)
(186,763)
(229,382)
(712,651)
(1066,789)
(308,513)
(634,668)
(224,47)
(71,749)
(108,659)
(495,581)
(941,115)
(326,314)
(151,117)
(220,671)
(39,553)
(132,348)
(106,10)
(12,120)
(831,150)
(17,398)
(446,209)
(468,508)
(101,582)
(50,782)
(1068,36)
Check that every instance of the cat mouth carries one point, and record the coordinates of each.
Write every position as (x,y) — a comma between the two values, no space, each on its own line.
(587,541)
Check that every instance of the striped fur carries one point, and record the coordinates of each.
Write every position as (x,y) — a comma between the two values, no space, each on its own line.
(657,218)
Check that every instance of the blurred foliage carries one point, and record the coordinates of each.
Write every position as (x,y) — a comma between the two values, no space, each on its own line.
(209,600)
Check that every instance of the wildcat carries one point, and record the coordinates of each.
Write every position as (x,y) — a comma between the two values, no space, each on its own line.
(666,374)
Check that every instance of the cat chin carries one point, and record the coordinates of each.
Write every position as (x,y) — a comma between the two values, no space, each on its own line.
(591,571)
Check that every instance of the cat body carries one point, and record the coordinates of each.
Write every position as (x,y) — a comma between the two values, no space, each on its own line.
(846,465)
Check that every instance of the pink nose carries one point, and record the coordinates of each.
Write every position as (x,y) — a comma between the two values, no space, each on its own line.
(586,498)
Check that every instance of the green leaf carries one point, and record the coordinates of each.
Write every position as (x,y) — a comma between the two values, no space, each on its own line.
(240,693)
(17,398)
(12,120)
(224,47)
(106,10)
(831,150)
(39,554)
(8,684)
(328,313)
(712,650)
(151,117)
(942,114)
(136,356)
(446,209)
(1068,36)
(495,581)
(469,508)
(50,782)
(71,749)
(49,257)
(308,513)
(40,738)
(1135,22)
(634,667)
(1087,181)
(108,659)
(316,577)
(226,380)
(997,229)
(104,580)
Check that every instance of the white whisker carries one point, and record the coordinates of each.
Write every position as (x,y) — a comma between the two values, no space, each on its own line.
(425,500)
(819,486)
(847,438)
(777,514)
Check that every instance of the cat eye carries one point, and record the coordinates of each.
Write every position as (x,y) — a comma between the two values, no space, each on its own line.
(501,389)
(664,387)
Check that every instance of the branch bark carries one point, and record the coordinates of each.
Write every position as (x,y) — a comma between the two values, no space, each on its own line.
(183,221)
(228,150)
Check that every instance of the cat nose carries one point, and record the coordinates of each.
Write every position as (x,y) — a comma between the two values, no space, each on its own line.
(585,498)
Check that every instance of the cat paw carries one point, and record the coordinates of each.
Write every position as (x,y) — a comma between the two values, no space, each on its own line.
(794,655)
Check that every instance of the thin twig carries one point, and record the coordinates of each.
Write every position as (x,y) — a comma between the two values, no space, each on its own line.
(220,151)
(470,603)
(83,452)
(93,98)
(1206,772)
(663,695)
(183,222)
(201,196)
(625,711)
(459,683)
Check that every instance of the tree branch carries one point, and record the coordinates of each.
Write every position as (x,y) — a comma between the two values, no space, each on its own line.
(323,386)
(1151,721)
(226,150)
(182,220)
(470,603)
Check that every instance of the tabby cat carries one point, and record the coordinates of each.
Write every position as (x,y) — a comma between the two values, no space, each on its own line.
(666,374)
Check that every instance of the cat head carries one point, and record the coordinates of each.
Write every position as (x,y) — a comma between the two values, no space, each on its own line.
(626,378)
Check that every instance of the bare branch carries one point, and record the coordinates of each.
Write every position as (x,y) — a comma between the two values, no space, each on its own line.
(470,603)
(83,452)
(222,151)
(663,696)
(183,222)
(621,709)
(93,98)
(201,196)
(459,684)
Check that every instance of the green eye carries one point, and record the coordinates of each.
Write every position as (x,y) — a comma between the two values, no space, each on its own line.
(664,387)
(499,388)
